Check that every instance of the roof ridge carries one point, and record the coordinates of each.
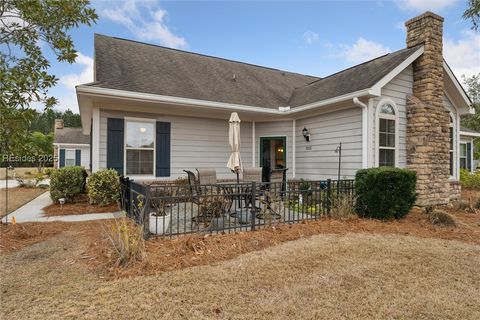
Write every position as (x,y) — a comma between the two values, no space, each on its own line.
(207,56)
(360,64)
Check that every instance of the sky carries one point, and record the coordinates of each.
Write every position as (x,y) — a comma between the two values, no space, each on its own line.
(316,38)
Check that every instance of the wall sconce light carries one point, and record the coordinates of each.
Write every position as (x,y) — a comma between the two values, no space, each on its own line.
(306,134)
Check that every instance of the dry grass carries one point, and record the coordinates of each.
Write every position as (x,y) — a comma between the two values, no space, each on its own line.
(19,173)
(350,276)
(126,242)
(17,197)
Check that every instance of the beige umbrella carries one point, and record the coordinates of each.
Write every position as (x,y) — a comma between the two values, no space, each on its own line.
(235,161)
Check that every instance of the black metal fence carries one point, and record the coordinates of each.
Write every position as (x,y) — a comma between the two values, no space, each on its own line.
(173,209)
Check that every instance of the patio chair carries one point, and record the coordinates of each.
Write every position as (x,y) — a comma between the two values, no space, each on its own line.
(207,176)
(252,175)
(278,179)
(193,186)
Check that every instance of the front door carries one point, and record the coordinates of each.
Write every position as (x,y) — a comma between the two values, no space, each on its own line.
(273,154)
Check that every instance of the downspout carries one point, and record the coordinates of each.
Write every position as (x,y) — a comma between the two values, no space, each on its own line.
(365,150)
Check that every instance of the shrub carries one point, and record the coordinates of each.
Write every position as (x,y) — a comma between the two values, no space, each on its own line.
(385,193)
(48,171)
(67,183)
(343,207)
(442,218)
(469,180)
(127,243)
(103,187)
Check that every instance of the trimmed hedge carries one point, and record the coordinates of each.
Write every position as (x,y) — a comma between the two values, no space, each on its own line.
(103,187)
(67,183)
(385,193)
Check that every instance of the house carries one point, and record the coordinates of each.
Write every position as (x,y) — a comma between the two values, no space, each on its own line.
(466,149)
(155,111)
(71,147)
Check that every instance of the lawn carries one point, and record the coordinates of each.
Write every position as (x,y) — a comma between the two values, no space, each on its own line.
(355,269)
(19,173)
(323,276)
(17,197)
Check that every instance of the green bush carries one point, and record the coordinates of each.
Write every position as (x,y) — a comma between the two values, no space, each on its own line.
(104,187)
(67,183)
(469,180)
(385,193)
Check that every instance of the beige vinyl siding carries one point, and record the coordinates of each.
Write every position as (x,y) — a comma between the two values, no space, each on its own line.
(327,131)
(397,90)
(195,142)
(275,129)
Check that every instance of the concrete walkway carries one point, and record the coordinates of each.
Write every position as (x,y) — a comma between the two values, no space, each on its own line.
(32,212)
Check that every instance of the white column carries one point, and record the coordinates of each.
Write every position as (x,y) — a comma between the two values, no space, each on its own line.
(370,134)
(253,144)
(95,140)
(294,149)
(365,149)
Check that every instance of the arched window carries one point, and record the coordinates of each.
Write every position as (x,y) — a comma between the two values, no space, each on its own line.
(387,134)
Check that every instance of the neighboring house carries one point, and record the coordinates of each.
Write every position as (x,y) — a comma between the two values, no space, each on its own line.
(154,111)
(466,149)
(70,147)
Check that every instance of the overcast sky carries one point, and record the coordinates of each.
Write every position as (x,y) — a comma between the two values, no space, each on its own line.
(316,38)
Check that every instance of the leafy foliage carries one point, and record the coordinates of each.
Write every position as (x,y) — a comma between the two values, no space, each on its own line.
(39,147)
(472,121)
(385,193)
(473,13)
(103,187)
(469,180)
(27,26)
(67,183)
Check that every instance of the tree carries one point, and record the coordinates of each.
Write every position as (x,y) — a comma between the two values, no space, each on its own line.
(44,121)
(472,121)
(473,13)
(39,147)
(27,26)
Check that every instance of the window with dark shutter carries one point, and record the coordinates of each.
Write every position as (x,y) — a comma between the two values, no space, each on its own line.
(115,144)
(162,152)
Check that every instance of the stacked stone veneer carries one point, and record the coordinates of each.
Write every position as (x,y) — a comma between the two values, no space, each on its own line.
(427,119)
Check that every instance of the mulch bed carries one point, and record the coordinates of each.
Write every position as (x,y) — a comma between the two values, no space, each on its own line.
(187,251)
(80,205)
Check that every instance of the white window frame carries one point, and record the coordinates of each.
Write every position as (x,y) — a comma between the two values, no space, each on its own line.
(460,153)
(125,148)
(74,157)
(379,115)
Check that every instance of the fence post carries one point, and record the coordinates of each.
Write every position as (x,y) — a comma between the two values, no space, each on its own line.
(253,210)
(146,214)
(329,195)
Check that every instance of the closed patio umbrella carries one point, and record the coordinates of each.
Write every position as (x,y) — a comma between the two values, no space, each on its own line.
(235,161)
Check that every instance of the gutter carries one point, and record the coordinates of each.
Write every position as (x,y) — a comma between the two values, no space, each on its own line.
(148,97)
(365,130)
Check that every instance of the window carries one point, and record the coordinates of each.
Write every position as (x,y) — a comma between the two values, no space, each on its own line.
(387,135)
(140,147)
(69,157)
(463,156)
(452,157)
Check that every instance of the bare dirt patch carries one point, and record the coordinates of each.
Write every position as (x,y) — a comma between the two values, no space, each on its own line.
(17,197)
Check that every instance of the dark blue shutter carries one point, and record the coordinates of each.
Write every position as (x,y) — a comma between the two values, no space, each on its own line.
(469,156)
(78,155)
(61,162)
(115,144)
(162,150)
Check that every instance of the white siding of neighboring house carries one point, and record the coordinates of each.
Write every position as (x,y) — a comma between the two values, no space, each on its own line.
(327,131)
(84,154)
(195,142)
(275,129)
(397,90)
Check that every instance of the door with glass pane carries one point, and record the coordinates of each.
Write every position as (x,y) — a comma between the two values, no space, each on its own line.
(273,154)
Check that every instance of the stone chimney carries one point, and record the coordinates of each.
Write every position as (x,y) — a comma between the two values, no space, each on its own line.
(428,121)
(58,124)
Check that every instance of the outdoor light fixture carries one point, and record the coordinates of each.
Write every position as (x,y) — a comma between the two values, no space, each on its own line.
(306,134)
(62,202)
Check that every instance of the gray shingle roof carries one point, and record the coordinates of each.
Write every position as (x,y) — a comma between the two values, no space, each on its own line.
(71,135)
(362,76)
(465,129)
(133,66)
